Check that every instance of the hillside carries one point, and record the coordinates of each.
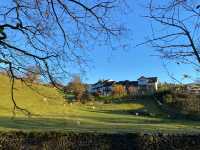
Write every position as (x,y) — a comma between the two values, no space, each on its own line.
(51,112)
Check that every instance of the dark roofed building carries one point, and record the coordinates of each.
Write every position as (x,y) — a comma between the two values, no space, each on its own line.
(131,87)
(128,83)
(105,87)
(108,82)
(133,83)
(153,79)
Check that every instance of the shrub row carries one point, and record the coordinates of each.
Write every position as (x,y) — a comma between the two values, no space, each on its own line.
(94,141)
(187,103)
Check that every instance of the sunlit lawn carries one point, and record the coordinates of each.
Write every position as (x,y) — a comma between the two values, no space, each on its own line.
(51,112)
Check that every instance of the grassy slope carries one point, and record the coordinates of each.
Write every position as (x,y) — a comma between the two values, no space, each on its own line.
(54,114)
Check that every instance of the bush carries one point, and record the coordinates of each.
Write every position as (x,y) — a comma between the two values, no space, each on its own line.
(76,87)
(96,94)
(168,98)
(118,90)
(107,101)
(161,94)
(100,141)
(183,103)
(87,97)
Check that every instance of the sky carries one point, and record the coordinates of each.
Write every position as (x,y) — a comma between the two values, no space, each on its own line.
(133,62)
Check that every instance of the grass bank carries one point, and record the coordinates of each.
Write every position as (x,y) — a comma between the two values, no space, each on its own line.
(52,113)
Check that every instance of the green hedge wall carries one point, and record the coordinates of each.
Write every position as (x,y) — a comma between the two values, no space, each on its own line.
(95,141)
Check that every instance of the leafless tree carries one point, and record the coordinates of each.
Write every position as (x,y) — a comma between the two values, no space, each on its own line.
(77,87)
(52,34)
(176,30)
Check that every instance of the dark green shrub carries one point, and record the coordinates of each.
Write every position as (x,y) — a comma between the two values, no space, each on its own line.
(96,94)
(97,141)
(184,103)
(107,101)
(86,97)
(182,95)
(161,94)
(168,98)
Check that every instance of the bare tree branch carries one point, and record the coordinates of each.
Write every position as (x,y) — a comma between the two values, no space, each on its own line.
(180,37)
(52,34)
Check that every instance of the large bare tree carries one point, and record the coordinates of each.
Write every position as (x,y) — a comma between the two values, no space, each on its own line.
(52,34)
(176,30)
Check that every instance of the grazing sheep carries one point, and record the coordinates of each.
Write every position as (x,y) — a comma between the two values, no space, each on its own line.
(78,122)
(45,99)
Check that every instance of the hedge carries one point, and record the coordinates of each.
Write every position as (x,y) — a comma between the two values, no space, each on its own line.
(97,141)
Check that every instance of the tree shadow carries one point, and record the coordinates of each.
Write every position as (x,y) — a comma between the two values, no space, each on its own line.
(92,124)
(150,108)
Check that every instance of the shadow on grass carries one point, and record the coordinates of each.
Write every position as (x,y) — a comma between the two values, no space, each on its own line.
(150,108)
(92,124)
(100,121)
(32,123)
(57,124)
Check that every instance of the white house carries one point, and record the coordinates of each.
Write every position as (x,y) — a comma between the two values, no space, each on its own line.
(149,83)
(193,88)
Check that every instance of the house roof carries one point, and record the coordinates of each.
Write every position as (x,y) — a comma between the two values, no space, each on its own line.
(108,82)
(100,81)
(150,79)
(123,82)
(153,79)
(133,83)
(128,83)
(142,77)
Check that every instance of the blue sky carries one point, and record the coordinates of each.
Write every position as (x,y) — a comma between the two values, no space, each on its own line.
(134,62)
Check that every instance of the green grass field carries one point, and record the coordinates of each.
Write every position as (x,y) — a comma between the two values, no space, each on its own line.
(52,113)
